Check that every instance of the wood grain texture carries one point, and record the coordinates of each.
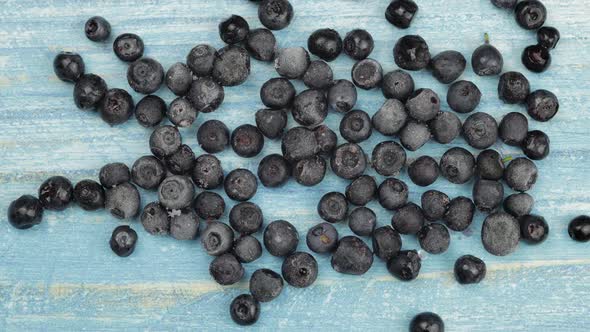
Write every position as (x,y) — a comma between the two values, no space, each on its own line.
(62,276)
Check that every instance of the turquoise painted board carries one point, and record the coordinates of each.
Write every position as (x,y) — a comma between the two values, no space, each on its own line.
(62,275)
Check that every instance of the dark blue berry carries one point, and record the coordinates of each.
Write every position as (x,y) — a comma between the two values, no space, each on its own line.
(231,66)
(486,60)
(240,184)
(414,135)
(271,123)
(318,75)
(281,238)
(393,194)
(209,205)
(362,190)
(181,112)
(247,141)
(309,171)
(148,172)
(275,14)
(513,128)
(300,269)
(56,193)
(423,171)
(299,143)
(411,53)
(277,93)
(427,322)
(184,224)
(397,84)
(489,165)
(579,229)
(244,310)
(180,162)
(116,107)
(519,204)
(348,161)
(457,165)
(325,43)
(536,58)
(25,212)
(401,12)
(500,234)
(513,87)
(164,141)
(536,145)
(155,219)
(234,29)
(176,192)
(459,214)
(488,194)
(469,270)
(548,37)
(150,111)
(445,127)
(352,256)
(292,62)
(123,241)
(423,105)
(447,66)
(521,174)
(200,59)
(266,285)
(434,204)
(463,96)
(333,207)
(506,4)
(480,130)
(145,75)
(434,238)
(530,14)
(207,172)
(533,228)
(247,249)
(342,96)
(213,136)
(358,44)
(274,171)
(89,195)
(261,44)
(97,29)
(362,221)
(386,242)
(405,265)
(355,126)
(326,140)
(114,174)
(89,91)
(390,118)
(322,238)
(179,78)
(310,107)
(542,105)
(128,47)
(226,269)
(217,238)
(123,201)
(408,219)
(246,218)
(68,66)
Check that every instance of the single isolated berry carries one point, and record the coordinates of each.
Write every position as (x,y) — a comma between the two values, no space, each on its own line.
(244,310)
(342,96)
(280,238)
(358,44)
(548,37)
(362,190)
(325,43)
(300,269)
(274,171)
(164,141)
(217,238)
(447,66)
(401,12)
(533,228)
(352,256)
(247,141)
(123,241)
(207,172)
(513,88)
(247,249)
(179,78)
(500,234)
(322,238)
(56,193)
(89,195)
(390,118)
(128,47)
(292,62)
(386,242)
(536,145)
(145,75)
(486,60)
(411,53)
(97,29)
(542,105)
(513,128)
(333,207)
(405,265)
(116,107)
(25,212)
(393,194)
(231,66)
(234,29)
(155,219)
(266,285)
(200,59)
(68,66)
(367,74)
(209,205)
(519,204)
(123,201)
(240,184)
(427,322)
(89,90)
(261,44)
(362,221)
(397,84)
(530,14)
(150,111)
(213,136)
(176,192)
(246,218)
(536,58)
(226,269)
(463,96)
(469,270)
(275,14)
(579,229)
(184,225)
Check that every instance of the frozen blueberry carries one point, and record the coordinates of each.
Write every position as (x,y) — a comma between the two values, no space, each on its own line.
(325,43)
(486,60)
(322,238)
(182,161)
(261,44)
(176,192)
(123,201)
(513,128)
(530,14)
(401,12)
(505,4)
(367,74)
(427,322)
(397,84)
(533,228)
(247,249)
(68,66)
(209,205)
(234,29)
(244,310)
(299,143)
(358,44)
(231,66)
(469,270)
(217,238)
(536,145)
(300,269)
(362,221)
(200,59)
(423,105)
(275,14)
(113,174)
(89,91)
(579,229)
(184,226)
(390,118)
(480,130)
(536,58)
(414,135)
(123,241)
(164,141)
(240,184)
(247,141)
(423,171)
(352,256)
(463,96)
(521,174)
(181,112)
(97,29)
(355,126)
(89,195)
(445,127)
(500,234)
(457,165)
(155,219)
(447,66)
(277,93)
(310,171)
(280,238)
(271,123)
(411,53)
(513,88)
(116,107)
(145,75)
(310,107)
(408,219)
(56,193)
(342,96)
(362,190)
(348,161)
(274,171)
(318,75)
(266,285)
(434,204)
(393,193)
(489,165)
(245,218)
(207,172)
(488,194)
(386,242)
(128,47)
(434,238)
(405,265)
(179,78)
(459,214)
(519,204)
(292,62)
(25,212)
(226,269)
(150,111)
(326,138)
(333,207)
(542,105)
(213,136)
(548,37)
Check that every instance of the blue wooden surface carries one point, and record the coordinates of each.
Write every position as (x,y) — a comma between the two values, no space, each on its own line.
(62,275)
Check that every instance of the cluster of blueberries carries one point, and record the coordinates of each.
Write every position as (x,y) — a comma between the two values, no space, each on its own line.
(413,115)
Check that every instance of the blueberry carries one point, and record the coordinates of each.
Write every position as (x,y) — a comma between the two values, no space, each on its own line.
(500,234)
(213,136)
(247,141)
(355,126)
(463,96)
(244,310)
(423,105)
(231,66)
(414,135)
(325,43)
(89,195)
(68,66)
(434,204)
(579,229)
(299,143)
(405,265)
(226,269)
(521,174)
(56,193)
(386,242)
(266,285)
(292,62)
(123,201)
(393,194)
(459,214)
(469,270)
(423,171)
(489,165)
(261,44)
(25,212)
(277,93)
(352,256)
(217,238)
(97,29)
(388,158)
(367,74)
(176,192)
(310,107)
(542,105)
(207,172)
(116,107)
(362,190)
(181,112)
(234,29)
(155,219)
(488,194)
(326,138)
(128,47)
(184,226)
(486,60)
(209,205)
(240,184)
(513,128)
(342,96)
(390,118)
(179,78)
(89,91)
(536,58)
(164,141)
(513,87)
(280,238)
(408,219)
(182,161)
(274,171)
(322,238)
(548,37)
(411,53)
(401,12)
(246,218)
(145,75)
(445,127)
(530,14)
(114,174)
(310,171)
(318,75)
(150,111)
(434,238)
(397,84)
(536,145)
(358,44)
(362,221)
(275,14)
(348,161)
(533,228)
(519,204)
(271,123)
(427,322)
(447,66)
(480,130)
(333,207)
(123,241)
(247,249)
(457,165)
(300,269)
(506,4)
(200,59)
